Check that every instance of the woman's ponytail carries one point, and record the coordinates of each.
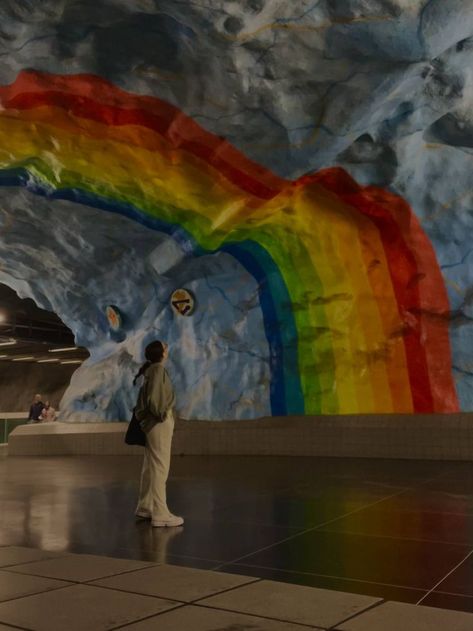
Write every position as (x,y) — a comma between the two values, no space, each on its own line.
(141,371)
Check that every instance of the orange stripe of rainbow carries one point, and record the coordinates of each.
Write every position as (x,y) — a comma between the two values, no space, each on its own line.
(352,296)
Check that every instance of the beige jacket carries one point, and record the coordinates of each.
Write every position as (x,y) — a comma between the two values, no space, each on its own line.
(156,397)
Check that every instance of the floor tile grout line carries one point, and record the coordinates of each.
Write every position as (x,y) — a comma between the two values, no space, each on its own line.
(14,626)
(432,512)
(92,582)
(184,602)
(375,605)
(183,556)
(342,578)
(197,603)
(154,615)
(233,504)
(46,591)
(305,485)
(5,567)
(55,589)
(138,552)
(256,615)
(445,577)
(253,524)
(84,582)
(129,591)
(230,589)
(375,535)
(316,525)
(267,524)
(181,604)
(358,510)
(439,591)
(276,543)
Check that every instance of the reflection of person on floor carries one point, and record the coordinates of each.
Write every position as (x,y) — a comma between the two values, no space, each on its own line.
(36,409)
(154,411)
(155,542)
(48,415)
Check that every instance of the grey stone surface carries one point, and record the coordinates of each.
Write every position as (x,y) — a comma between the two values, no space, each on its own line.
(393,616)
(292,603)
(15,555)
(16,586)
(202,619)
(80,568)
(176,583)
(80,608)
(42,604)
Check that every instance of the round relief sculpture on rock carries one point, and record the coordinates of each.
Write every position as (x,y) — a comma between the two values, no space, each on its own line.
(310,209)
(183,302)
(114,317)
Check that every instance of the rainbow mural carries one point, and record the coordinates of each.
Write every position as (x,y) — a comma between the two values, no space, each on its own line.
(353,300)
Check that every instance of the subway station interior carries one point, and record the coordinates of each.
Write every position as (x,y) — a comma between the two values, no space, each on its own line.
(236,326)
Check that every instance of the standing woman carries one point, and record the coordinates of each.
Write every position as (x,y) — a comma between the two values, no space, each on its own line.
(154,411)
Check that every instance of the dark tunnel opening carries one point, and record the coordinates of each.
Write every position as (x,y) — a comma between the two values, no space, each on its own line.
(38,354)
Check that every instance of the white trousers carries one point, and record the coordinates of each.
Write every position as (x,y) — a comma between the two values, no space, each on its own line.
(155,470)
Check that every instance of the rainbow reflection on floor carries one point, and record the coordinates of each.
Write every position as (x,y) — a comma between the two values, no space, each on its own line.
(400,530)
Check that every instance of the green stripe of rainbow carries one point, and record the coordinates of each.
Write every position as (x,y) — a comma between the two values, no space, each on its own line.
(350,288)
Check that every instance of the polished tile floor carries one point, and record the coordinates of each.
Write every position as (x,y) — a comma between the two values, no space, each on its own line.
(397,530)
(54,591)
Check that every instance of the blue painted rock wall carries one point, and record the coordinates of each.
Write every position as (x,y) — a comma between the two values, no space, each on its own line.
(382,88)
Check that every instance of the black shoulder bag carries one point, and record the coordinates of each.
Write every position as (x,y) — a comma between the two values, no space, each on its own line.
(134,434)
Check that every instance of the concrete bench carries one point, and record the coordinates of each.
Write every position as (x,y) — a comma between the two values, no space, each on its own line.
(432,437)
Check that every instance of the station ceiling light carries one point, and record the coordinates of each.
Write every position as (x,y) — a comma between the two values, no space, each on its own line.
(63,350)
(9,342)
(72,361)
(48,361)
(22,359)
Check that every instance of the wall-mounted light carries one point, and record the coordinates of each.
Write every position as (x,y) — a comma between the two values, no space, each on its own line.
(63,350)
(48,361)
(3,317)
(22,359)
(72,361)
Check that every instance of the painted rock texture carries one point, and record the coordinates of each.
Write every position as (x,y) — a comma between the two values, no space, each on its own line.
(302,168)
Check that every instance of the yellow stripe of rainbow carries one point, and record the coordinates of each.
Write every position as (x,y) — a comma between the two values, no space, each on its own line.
(345,272)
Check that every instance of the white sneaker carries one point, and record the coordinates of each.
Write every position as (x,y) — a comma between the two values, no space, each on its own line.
(143,514)
(167,522)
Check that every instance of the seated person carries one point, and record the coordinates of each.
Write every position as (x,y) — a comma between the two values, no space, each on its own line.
(48,415)
(36,409)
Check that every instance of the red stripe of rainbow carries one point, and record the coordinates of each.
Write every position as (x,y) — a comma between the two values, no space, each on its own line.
(353,299)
